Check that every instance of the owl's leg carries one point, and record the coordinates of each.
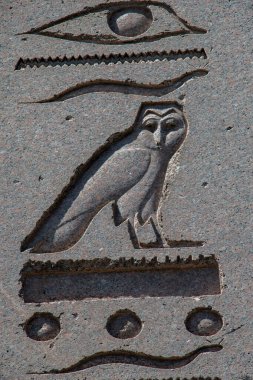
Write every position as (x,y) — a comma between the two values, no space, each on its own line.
(157,231)
(133,235)
(149,234)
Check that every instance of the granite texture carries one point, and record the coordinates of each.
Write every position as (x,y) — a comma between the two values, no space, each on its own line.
(202,208)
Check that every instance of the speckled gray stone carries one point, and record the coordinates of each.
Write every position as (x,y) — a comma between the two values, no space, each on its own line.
(100,84)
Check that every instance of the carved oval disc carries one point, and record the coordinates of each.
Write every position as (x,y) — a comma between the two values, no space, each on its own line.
(130,22)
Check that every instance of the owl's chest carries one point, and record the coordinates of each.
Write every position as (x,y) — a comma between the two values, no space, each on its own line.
(154,176)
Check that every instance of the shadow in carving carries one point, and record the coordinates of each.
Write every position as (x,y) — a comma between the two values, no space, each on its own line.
(104,278)
(185,243)
(136,358)
(110,59)
(125,87)
(129,170)
(137,22)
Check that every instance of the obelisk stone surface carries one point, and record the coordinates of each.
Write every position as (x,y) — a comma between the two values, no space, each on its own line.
(126,144)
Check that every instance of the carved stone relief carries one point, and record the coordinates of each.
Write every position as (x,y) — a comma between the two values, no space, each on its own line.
(129,170)
(119,271)
(124,19)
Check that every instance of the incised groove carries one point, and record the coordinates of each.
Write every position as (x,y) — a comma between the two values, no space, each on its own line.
(114,24)
(93,279)
(185,243)
(125,87)
(110,59)
(136,358)
(106,264)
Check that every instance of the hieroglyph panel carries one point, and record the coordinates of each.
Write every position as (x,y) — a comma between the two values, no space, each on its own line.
(126,241)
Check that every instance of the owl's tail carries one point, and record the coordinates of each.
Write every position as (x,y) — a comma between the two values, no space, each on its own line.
(64,226)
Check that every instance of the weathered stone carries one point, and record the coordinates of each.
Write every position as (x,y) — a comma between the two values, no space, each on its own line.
(130,22)
(124,324)
(42,327)
(126,183)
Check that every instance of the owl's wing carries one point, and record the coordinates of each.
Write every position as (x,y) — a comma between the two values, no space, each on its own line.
(69,220)
(141,201)
(119,173)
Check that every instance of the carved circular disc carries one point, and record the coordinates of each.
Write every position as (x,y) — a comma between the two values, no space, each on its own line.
(124,324)
(130,22)
(204,322)
(42,326)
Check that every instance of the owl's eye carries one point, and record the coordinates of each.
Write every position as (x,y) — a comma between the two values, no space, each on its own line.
(171,124)
(120,23)
(150,125)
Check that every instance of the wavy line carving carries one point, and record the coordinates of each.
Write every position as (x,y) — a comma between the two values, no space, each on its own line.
(125,87)
(111,58)
(135,358)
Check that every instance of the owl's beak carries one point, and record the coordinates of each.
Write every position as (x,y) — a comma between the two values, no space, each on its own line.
(158,136)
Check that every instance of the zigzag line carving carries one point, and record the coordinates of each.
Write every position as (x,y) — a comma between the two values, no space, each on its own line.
(110,59)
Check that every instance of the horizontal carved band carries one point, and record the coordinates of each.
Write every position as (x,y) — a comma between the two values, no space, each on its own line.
(89,279)
(111,58)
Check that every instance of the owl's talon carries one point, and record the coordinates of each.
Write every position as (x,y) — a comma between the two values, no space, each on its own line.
(149,235)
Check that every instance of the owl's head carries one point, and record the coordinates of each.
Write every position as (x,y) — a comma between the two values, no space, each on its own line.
(162,125)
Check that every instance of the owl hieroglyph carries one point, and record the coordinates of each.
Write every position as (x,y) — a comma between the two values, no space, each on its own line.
(129,170)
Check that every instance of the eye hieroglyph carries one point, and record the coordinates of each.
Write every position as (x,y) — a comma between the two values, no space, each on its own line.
(126,22)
